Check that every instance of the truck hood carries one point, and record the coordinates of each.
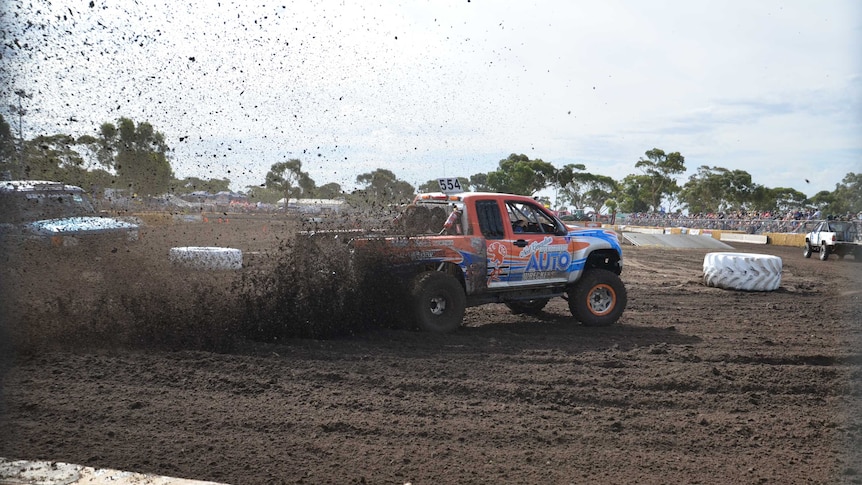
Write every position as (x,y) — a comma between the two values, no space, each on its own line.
(80,225)
(607,235)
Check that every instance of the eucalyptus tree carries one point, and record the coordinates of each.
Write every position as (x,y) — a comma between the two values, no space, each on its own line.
(569,184)
(382,187)
(584,189)
(703,192)
(634,193)
(601,189)
(714,189)
(848,194)
(52,158)
(787,198)
(194,184)
(825,201)
(288,179)
(658,170)
(331,190)
(517,174)
(137,153)
(846,198)
(479,182)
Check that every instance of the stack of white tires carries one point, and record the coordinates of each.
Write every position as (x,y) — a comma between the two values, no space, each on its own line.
(742,271)
(206,257)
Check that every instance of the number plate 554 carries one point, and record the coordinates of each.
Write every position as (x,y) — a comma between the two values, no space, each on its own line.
(450,186)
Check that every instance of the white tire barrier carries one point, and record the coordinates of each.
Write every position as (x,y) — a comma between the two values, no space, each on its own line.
(742,271)
(206,257)
(55,472)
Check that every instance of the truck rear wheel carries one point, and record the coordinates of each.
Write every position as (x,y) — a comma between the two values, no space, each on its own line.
(438,302)
(598,299)
(824,252)
(530,307)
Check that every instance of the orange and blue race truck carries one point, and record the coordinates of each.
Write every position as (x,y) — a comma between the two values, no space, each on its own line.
(472,248)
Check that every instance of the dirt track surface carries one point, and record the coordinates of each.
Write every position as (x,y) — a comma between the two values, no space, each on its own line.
(694,385)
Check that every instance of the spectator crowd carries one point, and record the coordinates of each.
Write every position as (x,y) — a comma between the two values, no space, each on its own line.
(750,222)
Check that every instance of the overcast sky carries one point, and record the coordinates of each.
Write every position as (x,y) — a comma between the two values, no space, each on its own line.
(448,88)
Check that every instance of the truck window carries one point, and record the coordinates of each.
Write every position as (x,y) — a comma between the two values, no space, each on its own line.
(527,218)
(490,222)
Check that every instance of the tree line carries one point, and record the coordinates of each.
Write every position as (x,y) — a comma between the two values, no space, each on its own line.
(136,158)
(132,157)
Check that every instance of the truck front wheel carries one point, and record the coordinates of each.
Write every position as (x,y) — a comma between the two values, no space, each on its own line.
(438,302)
(598,299)
(824,252)
(807,251)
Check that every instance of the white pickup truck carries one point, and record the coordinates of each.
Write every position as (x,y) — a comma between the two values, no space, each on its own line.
(833,237)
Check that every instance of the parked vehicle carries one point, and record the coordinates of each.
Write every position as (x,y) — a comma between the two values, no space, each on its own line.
(55,214)
(833,237)
(503,248)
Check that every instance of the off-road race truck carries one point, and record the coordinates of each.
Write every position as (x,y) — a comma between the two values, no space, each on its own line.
(500,248)
(833,237)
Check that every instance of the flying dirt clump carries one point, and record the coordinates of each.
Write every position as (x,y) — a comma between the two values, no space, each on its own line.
(310,287)
(318,289)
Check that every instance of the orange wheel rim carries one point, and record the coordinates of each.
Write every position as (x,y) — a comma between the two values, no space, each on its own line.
(601,299)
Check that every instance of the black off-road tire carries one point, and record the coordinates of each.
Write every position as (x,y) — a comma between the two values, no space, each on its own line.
(438,302)
(598,299)
(824,252)
(807,251)
(529,307)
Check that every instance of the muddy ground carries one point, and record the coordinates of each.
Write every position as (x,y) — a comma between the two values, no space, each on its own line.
(694,385)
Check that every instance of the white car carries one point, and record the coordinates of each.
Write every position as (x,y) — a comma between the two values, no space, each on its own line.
(56,214)
(833,237)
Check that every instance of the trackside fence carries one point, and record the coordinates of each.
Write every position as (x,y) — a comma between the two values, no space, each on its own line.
(777,232)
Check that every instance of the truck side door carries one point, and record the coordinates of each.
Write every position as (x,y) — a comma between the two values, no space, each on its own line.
(525,246)
(537,244)
(488,214)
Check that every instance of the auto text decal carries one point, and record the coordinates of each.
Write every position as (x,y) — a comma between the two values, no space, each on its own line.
(545,256)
